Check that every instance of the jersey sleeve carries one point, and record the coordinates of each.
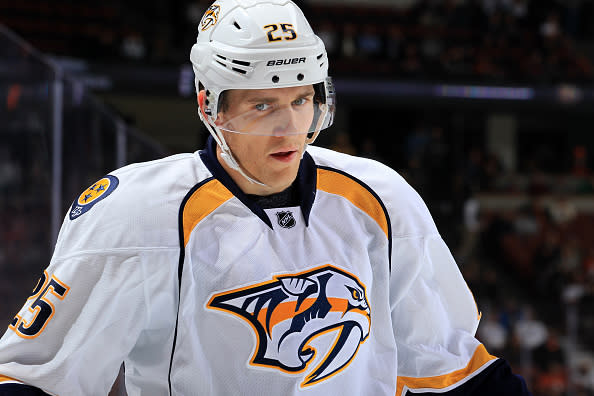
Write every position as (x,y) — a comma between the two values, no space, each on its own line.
(108,296)
(81,321)
(435,316)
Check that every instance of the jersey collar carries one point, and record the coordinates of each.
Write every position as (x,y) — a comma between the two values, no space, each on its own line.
(306,182)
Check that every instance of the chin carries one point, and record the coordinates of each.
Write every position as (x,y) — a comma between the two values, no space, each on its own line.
(282,182)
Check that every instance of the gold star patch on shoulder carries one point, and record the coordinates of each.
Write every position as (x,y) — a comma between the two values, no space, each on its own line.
(95,193)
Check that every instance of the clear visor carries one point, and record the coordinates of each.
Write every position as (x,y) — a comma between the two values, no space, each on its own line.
(303,115)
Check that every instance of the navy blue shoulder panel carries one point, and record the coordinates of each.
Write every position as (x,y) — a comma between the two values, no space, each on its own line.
(20,390)
(495,380)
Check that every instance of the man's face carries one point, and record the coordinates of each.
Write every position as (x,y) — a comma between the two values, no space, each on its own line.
(273,125)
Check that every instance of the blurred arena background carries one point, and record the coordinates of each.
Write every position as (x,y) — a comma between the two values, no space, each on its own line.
(485,106)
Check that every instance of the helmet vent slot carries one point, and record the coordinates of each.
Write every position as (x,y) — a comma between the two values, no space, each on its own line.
(319,56)
(242,63)
(243,67)
(236,25)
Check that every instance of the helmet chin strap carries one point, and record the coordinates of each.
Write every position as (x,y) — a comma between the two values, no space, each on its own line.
(227,155)
(217,135)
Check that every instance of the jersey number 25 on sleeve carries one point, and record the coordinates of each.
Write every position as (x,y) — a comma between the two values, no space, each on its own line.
(39,309)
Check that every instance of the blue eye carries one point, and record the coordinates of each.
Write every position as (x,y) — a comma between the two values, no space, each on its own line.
(300,101)
(262,106)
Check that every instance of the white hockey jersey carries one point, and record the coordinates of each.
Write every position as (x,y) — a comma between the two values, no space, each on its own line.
(168,267)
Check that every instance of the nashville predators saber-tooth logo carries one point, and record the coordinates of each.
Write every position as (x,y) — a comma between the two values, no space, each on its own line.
(290,313)
(210,17)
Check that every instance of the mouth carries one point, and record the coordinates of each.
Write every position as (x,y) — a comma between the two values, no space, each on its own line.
(284,155)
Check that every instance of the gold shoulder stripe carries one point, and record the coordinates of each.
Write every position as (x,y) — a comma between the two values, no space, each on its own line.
(339,184)
(8,379)
(479,358)
(201,203)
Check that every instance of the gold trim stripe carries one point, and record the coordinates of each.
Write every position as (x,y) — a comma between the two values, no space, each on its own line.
(339,184)
(203,202)
(4,378)
(479,358)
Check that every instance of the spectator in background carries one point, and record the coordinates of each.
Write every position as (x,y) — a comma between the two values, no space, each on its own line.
(525,222)
(133,45)
(550,28)
(531,331)
(562,211)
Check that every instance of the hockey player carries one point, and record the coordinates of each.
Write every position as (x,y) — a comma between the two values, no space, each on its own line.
(259,265)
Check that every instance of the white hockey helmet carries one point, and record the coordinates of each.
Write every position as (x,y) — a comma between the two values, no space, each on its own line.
(259,44)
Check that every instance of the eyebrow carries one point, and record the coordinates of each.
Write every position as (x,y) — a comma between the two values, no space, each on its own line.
(272,99)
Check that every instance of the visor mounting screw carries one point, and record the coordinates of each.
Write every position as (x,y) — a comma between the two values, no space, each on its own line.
(300,77)
(275,79)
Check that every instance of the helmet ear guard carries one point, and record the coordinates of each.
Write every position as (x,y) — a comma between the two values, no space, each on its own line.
(209,103)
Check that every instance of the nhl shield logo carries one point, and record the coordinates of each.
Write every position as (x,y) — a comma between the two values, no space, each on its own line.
(286,219)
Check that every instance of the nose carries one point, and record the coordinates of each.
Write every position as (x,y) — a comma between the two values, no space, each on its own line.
(286,122)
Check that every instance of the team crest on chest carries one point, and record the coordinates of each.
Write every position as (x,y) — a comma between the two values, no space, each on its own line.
(285,219)
(92,195)
(320,315)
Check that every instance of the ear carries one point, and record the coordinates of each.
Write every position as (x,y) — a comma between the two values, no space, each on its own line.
(201,98)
